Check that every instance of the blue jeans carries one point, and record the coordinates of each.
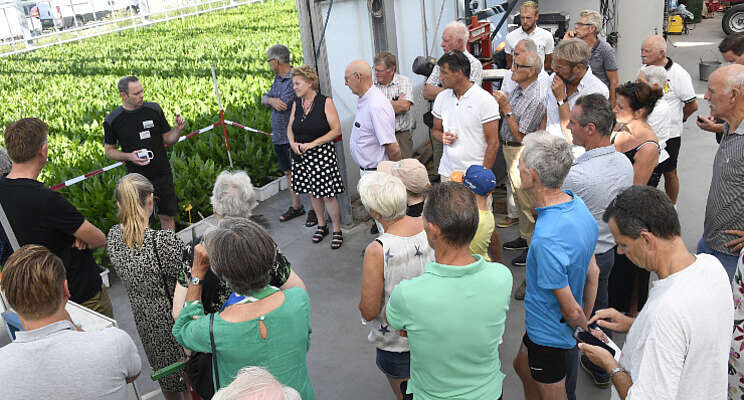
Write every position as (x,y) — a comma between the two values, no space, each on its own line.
(729,261)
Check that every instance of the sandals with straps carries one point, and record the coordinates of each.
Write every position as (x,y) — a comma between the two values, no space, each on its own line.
(312,219)
(320,233)
(337,241)
(292,213)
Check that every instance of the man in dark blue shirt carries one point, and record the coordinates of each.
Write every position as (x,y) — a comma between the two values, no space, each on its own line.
(280,98)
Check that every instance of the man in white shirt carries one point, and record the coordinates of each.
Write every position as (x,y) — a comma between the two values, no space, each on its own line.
(454,37)
(373,134)
(572,78)
(397,88)
(528,15)
(678,345)
(679,94)
(53,358)
(465,118)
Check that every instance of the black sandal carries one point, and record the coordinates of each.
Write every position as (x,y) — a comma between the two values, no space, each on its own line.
(320,233)
(312,219)
(338,240)
(292,213)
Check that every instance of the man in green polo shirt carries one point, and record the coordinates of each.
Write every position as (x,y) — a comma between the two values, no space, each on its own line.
(454,314)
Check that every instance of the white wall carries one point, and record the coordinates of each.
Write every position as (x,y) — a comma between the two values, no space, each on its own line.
(635,26)
(349,37)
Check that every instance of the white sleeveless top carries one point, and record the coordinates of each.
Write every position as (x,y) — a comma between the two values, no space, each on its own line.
(405,258)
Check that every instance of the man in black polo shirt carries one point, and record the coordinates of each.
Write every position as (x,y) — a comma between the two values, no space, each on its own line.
(142,132)
(41,216)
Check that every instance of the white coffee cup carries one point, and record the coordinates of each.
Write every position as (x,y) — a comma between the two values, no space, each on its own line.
(145,154)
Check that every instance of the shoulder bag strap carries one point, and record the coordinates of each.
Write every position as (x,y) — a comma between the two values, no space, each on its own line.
(8,230)
(160,269)
(214,354)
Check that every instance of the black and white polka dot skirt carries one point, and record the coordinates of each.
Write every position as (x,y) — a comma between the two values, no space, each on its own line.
(316,172)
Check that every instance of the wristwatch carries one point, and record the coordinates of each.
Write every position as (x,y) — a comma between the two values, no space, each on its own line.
(561,102)
(195,280)
(509,114)
(616,370)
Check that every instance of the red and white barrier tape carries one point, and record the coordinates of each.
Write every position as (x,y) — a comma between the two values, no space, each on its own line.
(81,178)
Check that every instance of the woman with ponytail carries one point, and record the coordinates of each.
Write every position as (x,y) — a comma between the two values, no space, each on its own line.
(148,263)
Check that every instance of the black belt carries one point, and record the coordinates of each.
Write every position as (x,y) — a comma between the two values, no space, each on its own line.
(513,144)
(401,131)
(368,169)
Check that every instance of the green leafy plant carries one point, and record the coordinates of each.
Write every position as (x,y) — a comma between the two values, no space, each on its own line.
(73,86)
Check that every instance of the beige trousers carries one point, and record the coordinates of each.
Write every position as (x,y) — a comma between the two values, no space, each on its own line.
(526,219)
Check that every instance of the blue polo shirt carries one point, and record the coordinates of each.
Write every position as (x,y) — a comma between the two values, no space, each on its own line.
(283,90)
(455,318)
(559,255)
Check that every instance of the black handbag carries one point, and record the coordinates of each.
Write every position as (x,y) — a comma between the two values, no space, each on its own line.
(199,366)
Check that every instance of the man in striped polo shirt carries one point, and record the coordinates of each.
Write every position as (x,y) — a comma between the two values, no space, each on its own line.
(723,229)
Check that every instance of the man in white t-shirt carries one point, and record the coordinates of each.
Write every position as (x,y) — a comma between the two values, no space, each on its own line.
(572,78)
(679,94)
(528,15)
(678,346)
(465,118)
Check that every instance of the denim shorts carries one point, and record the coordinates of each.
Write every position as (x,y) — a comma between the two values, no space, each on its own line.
(395,365)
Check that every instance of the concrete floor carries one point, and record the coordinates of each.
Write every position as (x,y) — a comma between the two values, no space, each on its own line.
(341,361)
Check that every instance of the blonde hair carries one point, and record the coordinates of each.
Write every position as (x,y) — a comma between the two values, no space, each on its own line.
(386,194)
(131,194)
(308,74)
(529,5)
(32,281)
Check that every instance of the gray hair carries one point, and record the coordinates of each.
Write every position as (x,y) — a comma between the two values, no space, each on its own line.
(123,84)
(549,155)
(534,60)
(5,162)
(596,109)
(655,75)
(574,51)
(529,45)
(734,75)
(386,194)
(233,195)
(280,52)
(460,31)
(256,383)
(241,253)
(593,18)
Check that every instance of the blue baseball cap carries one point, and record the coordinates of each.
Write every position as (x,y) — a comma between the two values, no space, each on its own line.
(479,179)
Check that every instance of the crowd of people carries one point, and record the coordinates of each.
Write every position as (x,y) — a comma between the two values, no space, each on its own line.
(601,245)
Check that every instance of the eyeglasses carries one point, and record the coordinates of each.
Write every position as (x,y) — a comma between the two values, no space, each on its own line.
(582,24)
(270,60)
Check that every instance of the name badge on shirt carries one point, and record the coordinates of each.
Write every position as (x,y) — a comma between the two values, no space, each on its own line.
(147,124)
(144,135)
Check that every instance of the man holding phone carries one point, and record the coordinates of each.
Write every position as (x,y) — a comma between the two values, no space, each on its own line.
(678,346)
(143,132)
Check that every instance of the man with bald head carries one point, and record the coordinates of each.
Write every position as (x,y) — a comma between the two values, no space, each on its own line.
(373,134)
(454,37)
(679,94)
(723,229)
